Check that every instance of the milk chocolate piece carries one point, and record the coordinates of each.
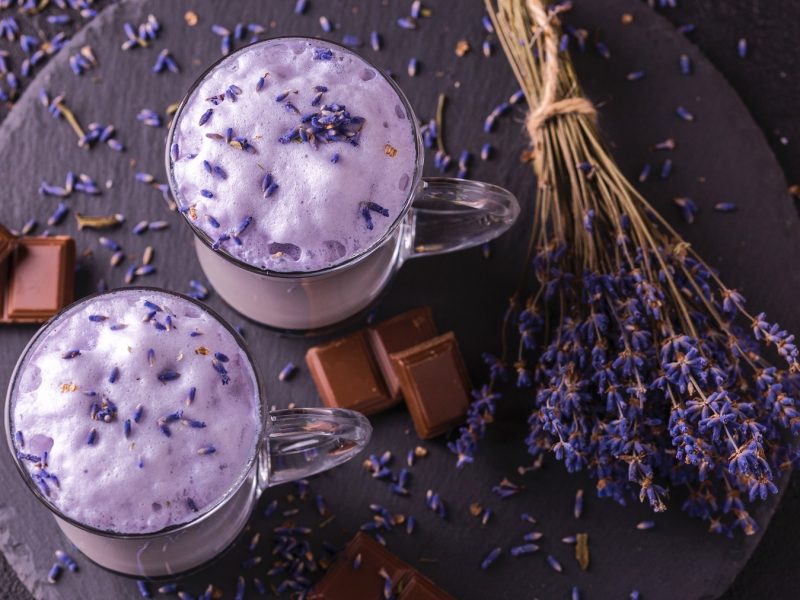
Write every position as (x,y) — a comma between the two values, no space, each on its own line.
(343,582)
(435,384)
(397,334)
(419,587)
(347,375)
(38,279)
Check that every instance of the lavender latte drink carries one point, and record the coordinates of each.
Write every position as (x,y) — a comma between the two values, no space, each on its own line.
(295,162)
(291,155)
(138,418)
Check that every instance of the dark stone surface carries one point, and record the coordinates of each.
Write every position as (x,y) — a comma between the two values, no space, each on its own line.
(634,115)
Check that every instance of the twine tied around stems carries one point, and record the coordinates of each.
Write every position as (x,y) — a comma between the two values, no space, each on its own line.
(548,107)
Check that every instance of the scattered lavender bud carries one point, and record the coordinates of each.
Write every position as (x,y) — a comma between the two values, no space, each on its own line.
(577,509)
(271,508)
(287,372)
(145,270)
(667,144)
(144,589)
(524,549)
(58,214)
(554,564)
(66,560)
(685,64)
(516,97)
(54,574)
(259,585)
(490,558)
(666,168)
(741,47)
(407,23)
(688,208)
(29,226)
(684,114)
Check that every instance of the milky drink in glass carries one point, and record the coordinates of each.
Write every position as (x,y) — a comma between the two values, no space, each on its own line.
(295,162)
(138,418)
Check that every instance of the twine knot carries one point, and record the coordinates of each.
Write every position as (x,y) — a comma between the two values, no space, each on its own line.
(544,112)
(549,107)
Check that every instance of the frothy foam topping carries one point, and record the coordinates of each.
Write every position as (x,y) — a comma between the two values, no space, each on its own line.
(293,156)
(135,411)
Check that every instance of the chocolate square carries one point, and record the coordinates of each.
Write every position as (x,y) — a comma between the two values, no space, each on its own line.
(344,582)
(397,334)
(347,375)
(40,279)
(419,587)
(435,384)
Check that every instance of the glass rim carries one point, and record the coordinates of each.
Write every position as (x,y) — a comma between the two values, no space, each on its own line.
(223,499)
(355,258)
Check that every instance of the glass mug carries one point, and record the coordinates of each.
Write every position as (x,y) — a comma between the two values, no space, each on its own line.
(293,444)
(439,215)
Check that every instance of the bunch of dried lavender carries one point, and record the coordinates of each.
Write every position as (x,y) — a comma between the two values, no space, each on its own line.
(642,374)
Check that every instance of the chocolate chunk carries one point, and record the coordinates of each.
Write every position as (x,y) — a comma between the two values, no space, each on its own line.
(397,334)
(435,384)
(38,280)
(344,582)
(347,375)
(419,587)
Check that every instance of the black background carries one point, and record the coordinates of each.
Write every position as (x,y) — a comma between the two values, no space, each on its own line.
(767,82)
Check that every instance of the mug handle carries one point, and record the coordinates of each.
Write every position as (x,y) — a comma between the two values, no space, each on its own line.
(300,442)
(452,214)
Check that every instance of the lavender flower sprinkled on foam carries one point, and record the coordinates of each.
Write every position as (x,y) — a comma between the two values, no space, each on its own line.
(331,123)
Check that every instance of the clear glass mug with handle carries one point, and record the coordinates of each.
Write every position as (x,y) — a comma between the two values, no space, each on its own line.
(293,444)
(440,215)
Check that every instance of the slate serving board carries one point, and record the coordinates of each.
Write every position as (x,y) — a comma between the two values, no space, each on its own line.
(720,157)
